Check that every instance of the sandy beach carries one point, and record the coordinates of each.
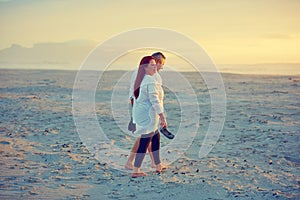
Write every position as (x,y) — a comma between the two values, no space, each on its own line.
(256,156)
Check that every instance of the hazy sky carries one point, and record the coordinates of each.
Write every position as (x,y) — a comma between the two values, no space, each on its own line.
(231,31)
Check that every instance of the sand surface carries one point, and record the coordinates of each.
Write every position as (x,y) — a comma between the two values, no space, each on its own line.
(42,156)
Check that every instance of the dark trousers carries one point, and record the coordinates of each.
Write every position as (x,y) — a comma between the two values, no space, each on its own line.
(144,143)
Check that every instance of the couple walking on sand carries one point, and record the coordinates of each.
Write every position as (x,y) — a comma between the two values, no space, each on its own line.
(146,95)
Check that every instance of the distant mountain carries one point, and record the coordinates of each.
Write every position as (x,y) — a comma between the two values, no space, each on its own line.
(67,54)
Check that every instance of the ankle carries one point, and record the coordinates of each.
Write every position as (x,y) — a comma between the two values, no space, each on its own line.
(136,170)
(129,163)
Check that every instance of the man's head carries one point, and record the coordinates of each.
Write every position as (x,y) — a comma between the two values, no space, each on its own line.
(160,60)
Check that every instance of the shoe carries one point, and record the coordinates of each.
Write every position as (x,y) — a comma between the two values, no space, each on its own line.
(140,174)
(166,133)
(131,126)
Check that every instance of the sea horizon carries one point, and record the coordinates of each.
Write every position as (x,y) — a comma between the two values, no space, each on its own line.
(276,72)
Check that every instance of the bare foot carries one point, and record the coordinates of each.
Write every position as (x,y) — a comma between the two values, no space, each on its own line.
(160,167)
(128,166)
(153,165)
(138,174)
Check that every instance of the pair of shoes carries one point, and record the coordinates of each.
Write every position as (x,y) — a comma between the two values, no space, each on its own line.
(166,133)
(131,126)
(139,174)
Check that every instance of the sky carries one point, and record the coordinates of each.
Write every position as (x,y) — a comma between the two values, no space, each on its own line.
(231,31)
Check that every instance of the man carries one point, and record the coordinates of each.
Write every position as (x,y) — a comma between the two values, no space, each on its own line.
(160,61)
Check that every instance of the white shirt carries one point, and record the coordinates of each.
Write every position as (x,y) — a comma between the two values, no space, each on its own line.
(156,77)
(148,105)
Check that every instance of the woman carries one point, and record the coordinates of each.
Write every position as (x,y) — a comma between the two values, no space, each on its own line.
(148,113)
(160,61)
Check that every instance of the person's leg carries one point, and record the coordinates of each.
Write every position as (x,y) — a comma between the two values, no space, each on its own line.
(151,155)
(139,157)
(155,141)
(131,156)
(129,163)
(155,148)
(140,154)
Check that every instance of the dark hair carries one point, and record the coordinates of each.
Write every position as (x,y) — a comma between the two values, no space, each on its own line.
(140,74)
(158,56)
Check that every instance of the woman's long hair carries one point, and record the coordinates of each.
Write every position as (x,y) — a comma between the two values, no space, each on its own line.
(140,74)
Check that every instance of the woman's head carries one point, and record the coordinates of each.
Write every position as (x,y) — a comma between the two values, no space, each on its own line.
(147,66)
(150,68)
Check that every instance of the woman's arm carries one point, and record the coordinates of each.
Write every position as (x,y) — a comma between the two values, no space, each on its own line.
(157,103)
(163,121)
